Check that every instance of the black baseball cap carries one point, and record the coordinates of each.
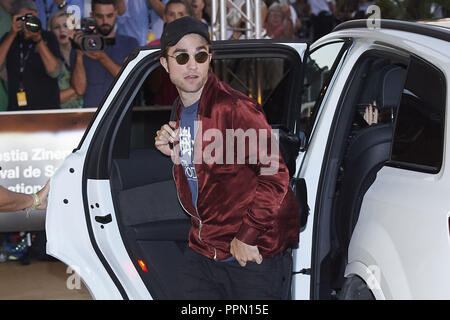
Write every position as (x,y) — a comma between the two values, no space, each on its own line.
(21,4)
(178,28)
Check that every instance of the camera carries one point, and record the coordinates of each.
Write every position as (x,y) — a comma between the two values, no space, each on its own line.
(87,38)
(32,23)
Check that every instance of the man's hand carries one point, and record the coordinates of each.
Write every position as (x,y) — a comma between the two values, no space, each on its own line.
(96,55)
(16,26)
(34,36)
(244,253)
(166,134)
(371,114)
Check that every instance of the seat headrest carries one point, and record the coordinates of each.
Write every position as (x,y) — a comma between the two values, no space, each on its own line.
(391,87)
(374,74)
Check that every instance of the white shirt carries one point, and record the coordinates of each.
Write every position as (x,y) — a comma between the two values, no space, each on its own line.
(319,5)
(87,8)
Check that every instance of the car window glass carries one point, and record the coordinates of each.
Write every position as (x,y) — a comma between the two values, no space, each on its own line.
(381,89)
(318,71)
(263,79)
(419,133)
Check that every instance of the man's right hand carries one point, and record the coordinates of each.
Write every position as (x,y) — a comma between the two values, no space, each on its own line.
(96,55)
(244,253)
(16,26)
(166,134)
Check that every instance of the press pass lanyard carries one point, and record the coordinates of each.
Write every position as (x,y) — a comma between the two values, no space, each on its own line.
(23,57)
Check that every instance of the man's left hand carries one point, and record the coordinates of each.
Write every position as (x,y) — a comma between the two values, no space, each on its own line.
(244,253)
(95,55)
(34,36)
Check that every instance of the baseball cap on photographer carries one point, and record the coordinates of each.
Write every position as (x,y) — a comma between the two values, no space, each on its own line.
(21,4)
(178,28)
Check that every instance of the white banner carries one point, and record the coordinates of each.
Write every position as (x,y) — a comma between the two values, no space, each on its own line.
(33,144)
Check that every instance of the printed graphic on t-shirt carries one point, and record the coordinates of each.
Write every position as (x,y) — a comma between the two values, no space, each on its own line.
(186,136)
(187,151)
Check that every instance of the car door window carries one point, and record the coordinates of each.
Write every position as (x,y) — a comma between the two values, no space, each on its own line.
(267,80)
(419,132)
(260,78)
(319,68)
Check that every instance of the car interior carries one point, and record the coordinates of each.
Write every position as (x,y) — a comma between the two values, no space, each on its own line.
(360,150)
(153,225)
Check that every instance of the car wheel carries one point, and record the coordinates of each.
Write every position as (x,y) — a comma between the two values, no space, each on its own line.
(355,288)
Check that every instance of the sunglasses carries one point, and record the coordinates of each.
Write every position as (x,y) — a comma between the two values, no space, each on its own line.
(183,58)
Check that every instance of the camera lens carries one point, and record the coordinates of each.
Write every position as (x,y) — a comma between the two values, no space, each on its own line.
(33,27)
(33,23)
(92,44)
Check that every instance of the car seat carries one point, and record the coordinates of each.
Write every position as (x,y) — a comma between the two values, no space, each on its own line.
(153,224)
(368,150)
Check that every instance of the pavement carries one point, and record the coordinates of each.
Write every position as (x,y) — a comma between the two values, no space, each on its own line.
(40,280)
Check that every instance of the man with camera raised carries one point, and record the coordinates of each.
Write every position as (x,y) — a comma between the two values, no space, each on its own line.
(103,51)
(30,55)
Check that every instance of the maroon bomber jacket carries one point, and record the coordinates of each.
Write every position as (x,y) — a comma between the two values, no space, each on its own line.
(234,198)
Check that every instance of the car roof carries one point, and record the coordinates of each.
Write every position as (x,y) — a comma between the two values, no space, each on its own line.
(440,22)
(417,38)
(432,31)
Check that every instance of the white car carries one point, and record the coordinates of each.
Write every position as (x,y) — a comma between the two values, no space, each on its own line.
(379,217)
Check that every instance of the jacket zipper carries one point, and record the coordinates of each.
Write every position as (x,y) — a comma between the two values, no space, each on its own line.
(198,216)
(196,200)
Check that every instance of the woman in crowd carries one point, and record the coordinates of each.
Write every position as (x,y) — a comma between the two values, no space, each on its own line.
(278,22)
(59,24)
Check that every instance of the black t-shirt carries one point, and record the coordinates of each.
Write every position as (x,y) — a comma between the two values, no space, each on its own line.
(42,91)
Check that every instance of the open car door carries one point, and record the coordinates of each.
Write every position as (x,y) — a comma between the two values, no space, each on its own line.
(113,213)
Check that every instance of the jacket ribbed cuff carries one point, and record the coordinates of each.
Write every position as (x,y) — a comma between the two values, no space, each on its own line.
(248,234)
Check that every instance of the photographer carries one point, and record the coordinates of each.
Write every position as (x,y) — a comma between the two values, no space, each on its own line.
(98,68)
(5,25)
(31,61)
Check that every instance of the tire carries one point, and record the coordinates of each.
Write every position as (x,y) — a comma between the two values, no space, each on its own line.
(355,288)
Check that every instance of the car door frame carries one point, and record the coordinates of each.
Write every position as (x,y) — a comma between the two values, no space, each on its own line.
(74,245)
(325,190)
(94,155)
(310,164)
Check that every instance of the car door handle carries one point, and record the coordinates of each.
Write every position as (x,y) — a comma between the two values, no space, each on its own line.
(104,219)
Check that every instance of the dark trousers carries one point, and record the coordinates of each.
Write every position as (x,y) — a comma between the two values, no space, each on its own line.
(205,279)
